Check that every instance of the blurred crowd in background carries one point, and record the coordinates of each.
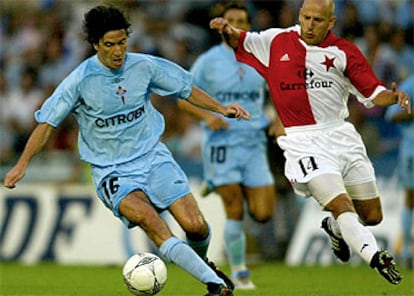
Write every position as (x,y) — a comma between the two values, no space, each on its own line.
(41,41)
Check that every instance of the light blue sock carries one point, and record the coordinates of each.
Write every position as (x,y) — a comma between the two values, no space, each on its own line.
(235,241)
(178,252)
(406,225)
(201,247)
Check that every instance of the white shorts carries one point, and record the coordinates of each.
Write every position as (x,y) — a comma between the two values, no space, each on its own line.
(334,148)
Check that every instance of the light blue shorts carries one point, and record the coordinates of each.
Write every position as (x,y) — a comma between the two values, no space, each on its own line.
(156,173)
(245,164)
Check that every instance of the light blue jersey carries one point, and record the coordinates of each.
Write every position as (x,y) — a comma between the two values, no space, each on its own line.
(236,155)
(219,74)
(406,155)
(116,118)
(119,128)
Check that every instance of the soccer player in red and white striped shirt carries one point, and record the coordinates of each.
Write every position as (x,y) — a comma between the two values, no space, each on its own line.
(311,73)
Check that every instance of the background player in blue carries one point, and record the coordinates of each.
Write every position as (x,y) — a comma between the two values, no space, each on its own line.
(235,152)
(406,168)
(134,174)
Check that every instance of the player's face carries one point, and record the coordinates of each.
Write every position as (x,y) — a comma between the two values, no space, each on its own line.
(315,20)
(112,48)
(238,18)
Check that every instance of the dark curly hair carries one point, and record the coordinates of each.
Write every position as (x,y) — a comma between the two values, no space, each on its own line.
(102,19)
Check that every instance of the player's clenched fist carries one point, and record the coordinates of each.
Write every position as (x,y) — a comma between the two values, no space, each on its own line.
(218,24)
(231,33)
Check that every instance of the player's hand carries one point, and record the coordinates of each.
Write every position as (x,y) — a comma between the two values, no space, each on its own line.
(231,34)
(218,24)
(13,176)
(216,122)
(276,129)
(403,99)
(236,111)
(223,26)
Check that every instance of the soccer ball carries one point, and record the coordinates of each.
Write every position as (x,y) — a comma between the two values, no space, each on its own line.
(144,274)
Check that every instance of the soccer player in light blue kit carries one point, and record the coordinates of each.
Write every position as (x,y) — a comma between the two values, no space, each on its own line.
(406,167)
(134,174)
(235,152)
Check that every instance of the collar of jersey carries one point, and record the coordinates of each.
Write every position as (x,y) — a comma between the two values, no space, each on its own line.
(107,69)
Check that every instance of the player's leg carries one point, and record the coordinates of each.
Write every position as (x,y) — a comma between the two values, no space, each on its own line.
(356,235)
(191,220)
(258,192)
(234,234)
(258,183)
(367,203)
(353,232)
(329,188)
(261,206)
(407,253)
(168,193)
(361,187)
(139,211)
(406,176)
(186,212)
(366,200)
(188,215)
(261,202)
(222,173)
(163,186)
(329,191)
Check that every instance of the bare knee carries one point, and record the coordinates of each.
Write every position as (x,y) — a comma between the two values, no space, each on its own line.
(186,212)
(372,218)
(369,211)
(140,212)
(196,228)
(261,203)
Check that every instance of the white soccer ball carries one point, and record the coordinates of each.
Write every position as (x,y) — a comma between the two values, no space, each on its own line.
(144,274)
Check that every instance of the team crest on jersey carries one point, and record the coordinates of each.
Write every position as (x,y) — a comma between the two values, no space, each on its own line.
(329,63)
(121,92)
(241,73)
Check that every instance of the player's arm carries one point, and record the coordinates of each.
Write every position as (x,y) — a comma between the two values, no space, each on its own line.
(230,33)
(203,100)
(212,120)
(402,116)
(37,140)
(393,96)
(276,128)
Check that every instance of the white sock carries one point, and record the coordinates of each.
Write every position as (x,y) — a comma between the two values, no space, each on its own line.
(357,236)
(334,226)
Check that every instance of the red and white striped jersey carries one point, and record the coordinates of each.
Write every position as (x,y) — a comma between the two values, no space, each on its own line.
(309,84)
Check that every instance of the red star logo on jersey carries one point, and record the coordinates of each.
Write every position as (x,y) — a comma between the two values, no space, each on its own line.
(329,63)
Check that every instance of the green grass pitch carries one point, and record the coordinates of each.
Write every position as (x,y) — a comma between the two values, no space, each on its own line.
(272,279)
